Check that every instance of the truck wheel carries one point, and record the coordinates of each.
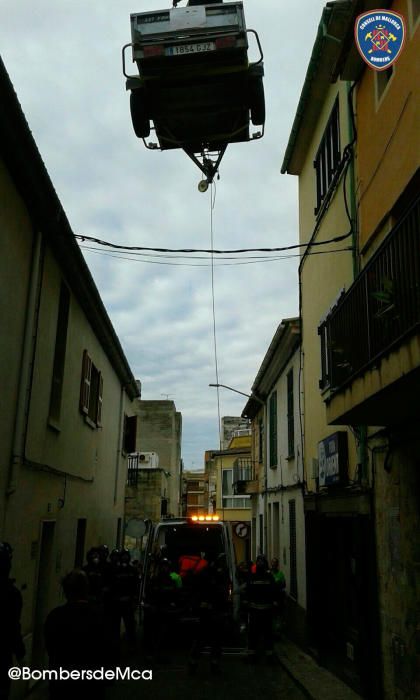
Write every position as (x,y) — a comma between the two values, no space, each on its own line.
(141,122)
(257,101)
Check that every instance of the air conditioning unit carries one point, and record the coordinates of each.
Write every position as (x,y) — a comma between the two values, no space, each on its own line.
(148,460)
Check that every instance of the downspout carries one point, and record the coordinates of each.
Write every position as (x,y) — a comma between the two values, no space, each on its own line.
(362,450)
(119,446)
(26,364)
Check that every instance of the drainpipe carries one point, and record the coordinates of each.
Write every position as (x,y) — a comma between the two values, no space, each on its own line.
(119,447)
(26,363)
(352,135)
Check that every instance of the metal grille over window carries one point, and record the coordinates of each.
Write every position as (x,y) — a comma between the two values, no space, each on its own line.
(328,157)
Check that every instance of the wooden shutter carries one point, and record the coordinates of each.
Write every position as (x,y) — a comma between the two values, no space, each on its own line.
(99,404)
(85,383)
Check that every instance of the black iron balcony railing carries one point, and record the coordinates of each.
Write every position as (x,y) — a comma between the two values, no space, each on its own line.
(136,464)
(380,310)
(243,471)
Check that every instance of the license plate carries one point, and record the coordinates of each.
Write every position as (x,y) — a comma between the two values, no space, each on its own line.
(186,49)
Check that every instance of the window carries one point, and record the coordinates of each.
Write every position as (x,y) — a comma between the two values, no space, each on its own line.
(79,553)
(260,440)
(290,416)
(293,558)
(328,157)
(273,430)
(325,368)
(229,500)
(91,392)
(129,434)
(59,355)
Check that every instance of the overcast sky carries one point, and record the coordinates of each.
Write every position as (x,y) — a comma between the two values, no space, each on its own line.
(64,59)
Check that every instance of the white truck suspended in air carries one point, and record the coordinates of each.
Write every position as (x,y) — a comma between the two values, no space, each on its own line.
(195,85)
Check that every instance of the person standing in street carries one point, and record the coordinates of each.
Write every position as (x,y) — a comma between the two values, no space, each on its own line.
(11,642)
(74,637)
(261,603)
(280,588)
(212,601)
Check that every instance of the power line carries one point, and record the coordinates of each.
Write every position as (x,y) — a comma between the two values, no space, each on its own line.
(275,258)
(117,246)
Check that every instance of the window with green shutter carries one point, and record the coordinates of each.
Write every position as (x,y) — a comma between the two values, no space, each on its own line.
(290,416)
(273,430)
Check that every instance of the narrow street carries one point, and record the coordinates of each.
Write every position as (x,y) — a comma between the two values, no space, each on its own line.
(236,680)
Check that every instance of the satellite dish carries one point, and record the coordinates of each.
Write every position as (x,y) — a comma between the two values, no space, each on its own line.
(136,528)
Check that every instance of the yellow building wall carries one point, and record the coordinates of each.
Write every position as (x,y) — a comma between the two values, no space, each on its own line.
(233,515)
(323,277)
(387,159)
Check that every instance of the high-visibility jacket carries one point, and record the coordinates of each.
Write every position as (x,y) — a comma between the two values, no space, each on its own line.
(191,564)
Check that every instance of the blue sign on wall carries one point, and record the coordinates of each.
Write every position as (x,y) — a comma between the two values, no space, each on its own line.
(332,459)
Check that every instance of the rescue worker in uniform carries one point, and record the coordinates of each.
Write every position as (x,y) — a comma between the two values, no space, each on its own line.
(11,642)
(212,600)
(261,602)
(74,637)
(95,575)
(123,596)
(280,587)
(163,600)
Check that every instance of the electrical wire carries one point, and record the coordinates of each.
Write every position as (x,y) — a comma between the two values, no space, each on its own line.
(118,256)
(211,251)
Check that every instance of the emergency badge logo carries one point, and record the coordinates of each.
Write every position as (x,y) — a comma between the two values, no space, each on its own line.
(380,36)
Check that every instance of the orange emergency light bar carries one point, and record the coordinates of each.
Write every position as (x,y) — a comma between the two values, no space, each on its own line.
(205,518)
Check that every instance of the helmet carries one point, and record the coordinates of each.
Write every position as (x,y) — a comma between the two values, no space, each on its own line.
(261,562)
(115,555)
(93,553)
(103,550)
(125,556)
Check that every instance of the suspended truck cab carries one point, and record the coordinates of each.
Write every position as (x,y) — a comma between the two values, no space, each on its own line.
(195,86)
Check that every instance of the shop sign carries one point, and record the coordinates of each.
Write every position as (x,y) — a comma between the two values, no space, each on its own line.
(332,459)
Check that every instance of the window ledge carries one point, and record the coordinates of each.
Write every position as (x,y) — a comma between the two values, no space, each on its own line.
(290,458)
(54,425)
(90,423)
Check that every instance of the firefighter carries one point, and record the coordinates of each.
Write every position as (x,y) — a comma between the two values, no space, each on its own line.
(261,603)
(123,591)
(11,642)
(95,575)
(164,597)
(75,641)
(212,599)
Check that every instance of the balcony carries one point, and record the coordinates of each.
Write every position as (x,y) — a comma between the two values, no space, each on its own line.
(369,342)
(245,477)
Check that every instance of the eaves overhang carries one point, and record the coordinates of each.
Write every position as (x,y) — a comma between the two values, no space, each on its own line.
(28,171)
(285,342)
(334,55)
(326,50)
